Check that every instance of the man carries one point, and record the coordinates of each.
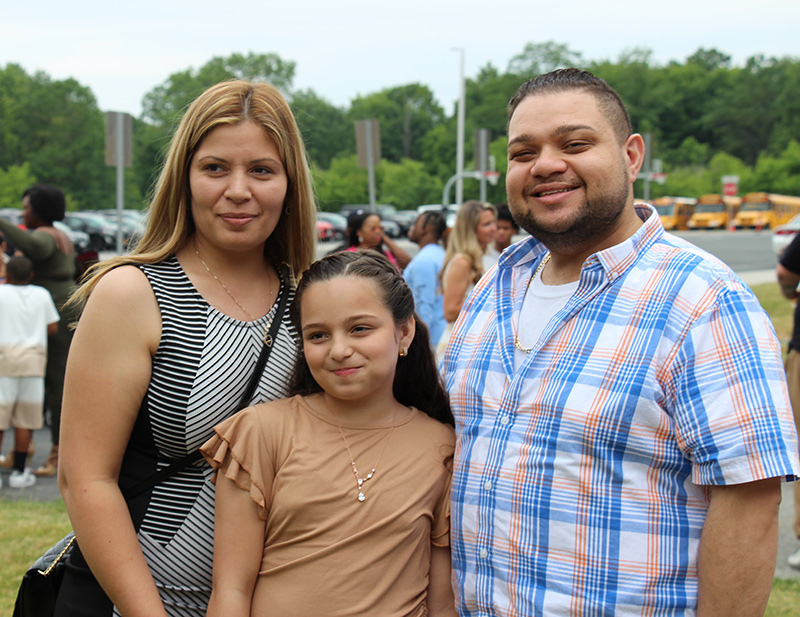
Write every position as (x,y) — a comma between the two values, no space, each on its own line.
(621,411)
(422,273)
(789,278)
(505,230)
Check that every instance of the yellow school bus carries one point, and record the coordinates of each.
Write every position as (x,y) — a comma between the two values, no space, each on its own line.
(674,212)
(766,210)
(714,211)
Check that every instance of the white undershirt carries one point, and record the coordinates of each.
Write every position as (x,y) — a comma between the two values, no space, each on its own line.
(539,305)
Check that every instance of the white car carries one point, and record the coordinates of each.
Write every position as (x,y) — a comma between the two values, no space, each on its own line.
(783,235)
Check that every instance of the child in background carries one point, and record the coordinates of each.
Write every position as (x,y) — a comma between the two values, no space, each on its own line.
(28,317)
(336,501)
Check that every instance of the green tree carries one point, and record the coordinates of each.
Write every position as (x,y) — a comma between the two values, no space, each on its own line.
(538,58)
(407,184)
(710,59)
(405,113)
(780,174)
(13,182)
(324,127)
(164,105)
(344,183)
(55,127)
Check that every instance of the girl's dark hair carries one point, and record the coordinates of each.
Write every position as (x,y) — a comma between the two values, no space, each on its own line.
(47,202)
(416,381)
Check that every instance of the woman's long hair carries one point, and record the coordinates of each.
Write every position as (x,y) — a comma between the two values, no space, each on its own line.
(170,221)
(417,381)
(463,239)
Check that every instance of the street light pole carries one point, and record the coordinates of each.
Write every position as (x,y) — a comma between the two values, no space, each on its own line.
(460,136)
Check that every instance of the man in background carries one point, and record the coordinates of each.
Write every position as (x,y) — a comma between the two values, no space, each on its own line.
(505,230)
(789,278)
(422,273)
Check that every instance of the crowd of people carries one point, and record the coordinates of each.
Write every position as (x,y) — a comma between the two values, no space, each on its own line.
(593,420)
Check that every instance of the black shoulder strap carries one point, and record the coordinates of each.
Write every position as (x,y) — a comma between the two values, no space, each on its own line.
(191,458)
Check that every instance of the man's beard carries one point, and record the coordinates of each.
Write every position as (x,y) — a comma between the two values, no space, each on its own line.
(595,219)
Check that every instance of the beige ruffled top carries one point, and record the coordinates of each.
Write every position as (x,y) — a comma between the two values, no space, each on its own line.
(325,552)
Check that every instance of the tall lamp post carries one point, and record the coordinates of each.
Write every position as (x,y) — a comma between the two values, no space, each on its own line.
(460,137)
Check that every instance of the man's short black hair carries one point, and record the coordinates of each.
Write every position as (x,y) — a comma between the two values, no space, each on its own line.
(563,80)
(19,270)
(504,214)
(47,202)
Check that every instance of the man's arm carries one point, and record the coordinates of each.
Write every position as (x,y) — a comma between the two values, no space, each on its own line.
(738,549)
(788,281)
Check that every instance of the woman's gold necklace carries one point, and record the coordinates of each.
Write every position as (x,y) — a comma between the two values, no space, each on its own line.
(228,291)
(359,480)
(516,334)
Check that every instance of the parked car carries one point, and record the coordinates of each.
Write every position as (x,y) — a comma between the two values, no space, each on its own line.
(391,228)
(102,234)
(338,221)
(782,235)
(324,231)
(405,218)
(80,239)
(133,221)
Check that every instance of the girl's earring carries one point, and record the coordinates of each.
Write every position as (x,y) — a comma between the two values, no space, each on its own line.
(403,353)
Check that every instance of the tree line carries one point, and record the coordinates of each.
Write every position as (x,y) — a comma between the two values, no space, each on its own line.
(707,118)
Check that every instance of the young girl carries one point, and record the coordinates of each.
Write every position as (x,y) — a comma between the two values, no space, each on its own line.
(336,501)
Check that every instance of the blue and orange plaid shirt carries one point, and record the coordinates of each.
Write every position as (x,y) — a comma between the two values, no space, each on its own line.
(579,477)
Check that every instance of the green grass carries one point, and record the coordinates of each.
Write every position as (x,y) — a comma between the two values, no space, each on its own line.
(30,528)
(780,310)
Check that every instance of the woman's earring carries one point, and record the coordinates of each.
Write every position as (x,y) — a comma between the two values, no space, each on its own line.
(403,353)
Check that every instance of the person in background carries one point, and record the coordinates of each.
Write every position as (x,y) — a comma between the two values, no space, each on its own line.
(788,273)
(53,257)
(28,317)
(422,273)
(365,231)
(463,262)
(335,502)
(4,257)
(622,419)
(166,347)
(505,230)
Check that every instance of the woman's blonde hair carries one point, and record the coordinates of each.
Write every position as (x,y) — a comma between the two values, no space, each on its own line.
(170,222)
(463,238)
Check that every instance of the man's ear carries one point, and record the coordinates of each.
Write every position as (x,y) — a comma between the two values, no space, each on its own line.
(633,150)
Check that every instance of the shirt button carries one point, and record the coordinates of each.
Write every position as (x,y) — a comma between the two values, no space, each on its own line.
(484,553)
(488,485)
(504,420)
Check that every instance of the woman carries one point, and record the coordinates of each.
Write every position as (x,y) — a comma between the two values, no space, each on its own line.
(53,258)
(165,347)
(365,231)
(463,260)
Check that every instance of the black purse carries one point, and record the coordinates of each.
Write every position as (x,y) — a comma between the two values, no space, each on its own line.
(38,590)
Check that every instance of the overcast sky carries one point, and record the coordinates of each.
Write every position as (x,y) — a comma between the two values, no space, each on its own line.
(342,49)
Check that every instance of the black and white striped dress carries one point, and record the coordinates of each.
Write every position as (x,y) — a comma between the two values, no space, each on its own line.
(200,373)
